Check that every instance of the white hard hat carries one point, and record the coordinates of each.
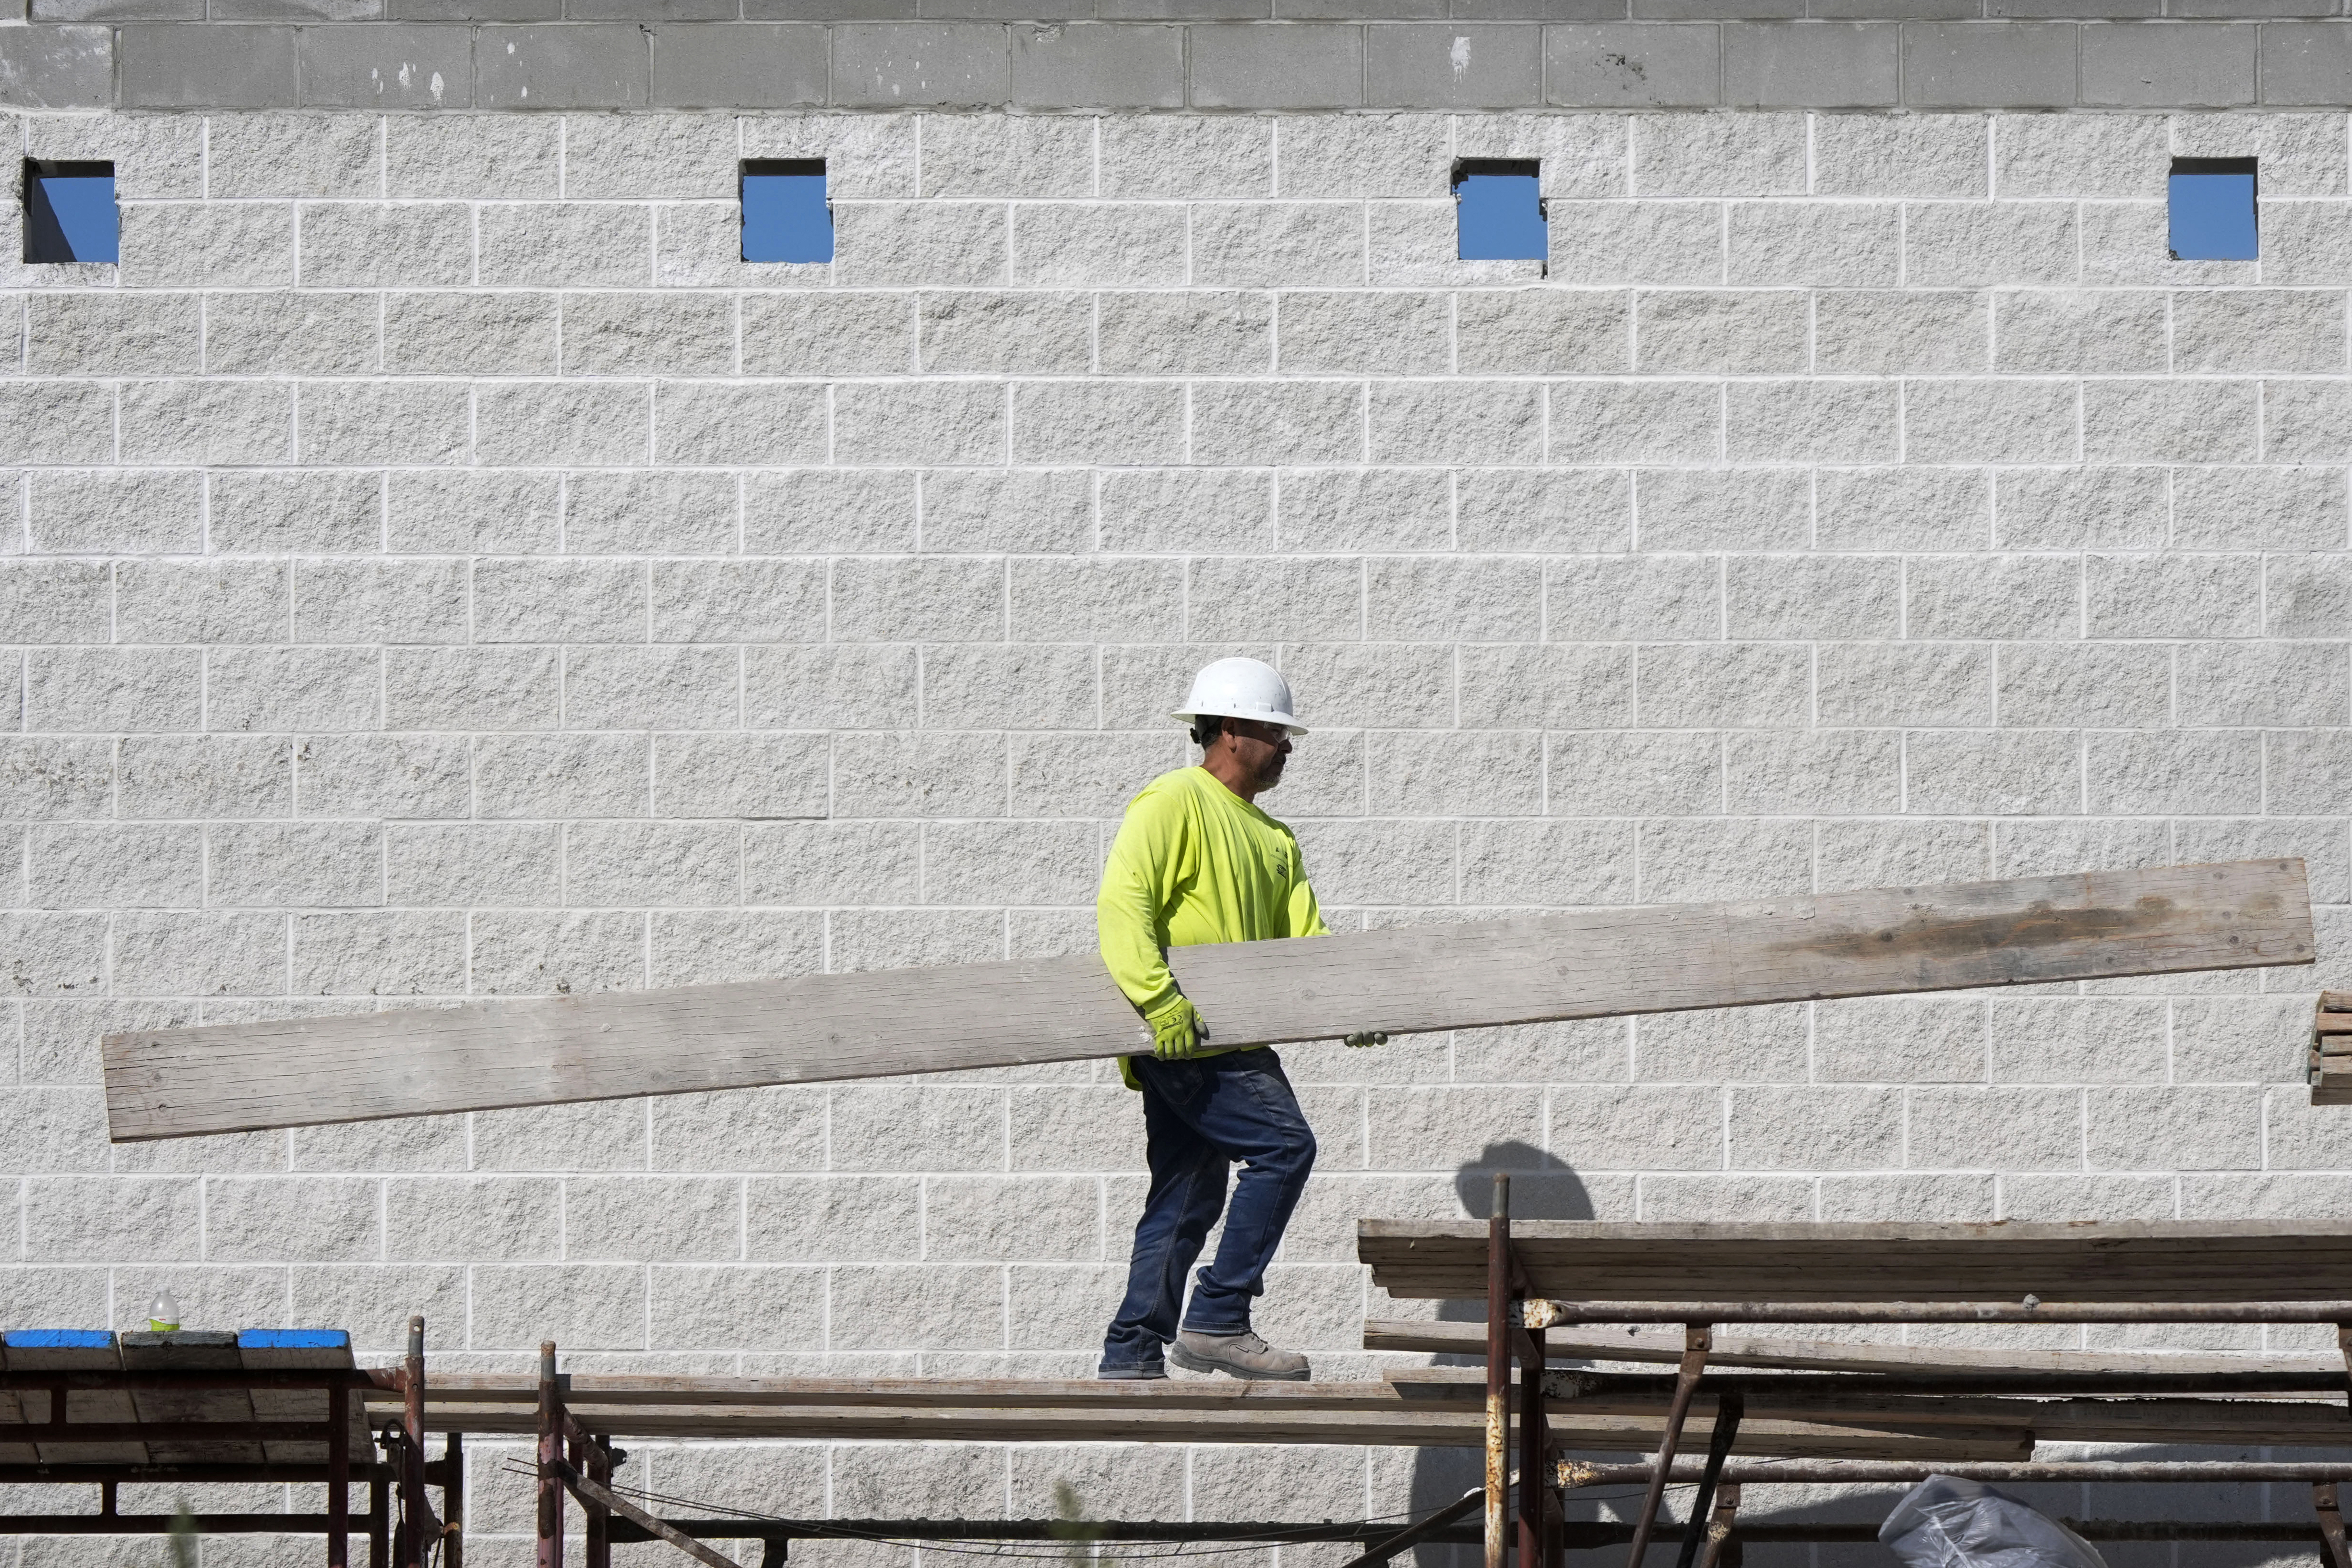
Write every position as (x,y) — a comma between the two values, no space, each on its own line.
(1241,689)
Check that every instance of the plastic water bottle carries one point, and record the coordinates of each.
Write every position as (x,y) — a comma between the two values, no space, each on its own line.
(164,1312)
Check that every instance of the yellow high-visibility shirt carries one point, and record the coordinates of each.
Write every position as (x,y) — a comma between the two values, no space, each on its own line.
(1195,862)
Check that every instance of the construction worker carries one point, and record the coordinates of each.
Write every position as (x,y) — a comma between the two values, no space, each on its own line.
(1197,861)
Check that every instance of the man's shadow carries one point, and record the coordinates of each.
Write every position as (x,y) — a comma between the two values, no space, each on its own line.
(1541,1188)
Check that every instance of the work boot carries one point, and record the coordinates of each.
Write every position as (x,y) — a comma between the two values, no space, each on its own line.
(1236,1355)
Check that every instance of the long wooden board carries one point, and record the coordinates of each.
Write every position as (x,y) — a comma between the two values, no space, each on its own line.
(1658,958)
(2114,1260)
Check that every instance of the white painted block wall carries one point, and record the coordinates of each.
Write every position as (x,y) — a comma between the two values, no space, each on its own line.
(436,567)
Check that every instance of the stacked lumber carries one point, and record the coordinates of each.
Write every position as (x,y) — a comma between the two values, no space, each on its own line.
(2331,1049)
(2125,1261)
(168,1083)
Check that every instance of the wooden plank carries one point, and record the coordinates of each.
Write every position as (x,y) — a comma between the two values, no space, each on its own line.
(1660,958)
(191,1349)
(2122,1261)
(278,1350)
(1650,1345)
(74,1350)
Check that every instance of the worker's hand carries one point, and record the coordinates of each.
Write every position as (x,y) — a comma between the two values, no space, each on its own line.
(1176,1031)
(1368,1037)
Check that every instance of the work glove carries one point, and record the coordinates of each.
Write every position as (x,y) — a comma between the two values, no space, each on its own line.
(1368,1037)
(1176,1030)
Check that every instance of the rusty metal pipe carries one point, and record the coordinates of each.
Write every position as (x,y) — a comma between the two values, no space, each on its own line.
(1574,1474)
(1499,1364)
(453,1502)
(411,1458)
(1951,1312)
(1697,1340)
(1720,1523)
(338,1476)
(1727,1412)
(2331,1524)
(551,1461)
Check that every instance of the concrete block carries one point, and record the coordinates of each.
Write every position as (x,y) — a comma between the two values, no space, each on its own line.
(154,157)
(385,422)
(2126,243)
(2013,773)
(1722,508)
(207,775)
(676,156)
(1742,331)
(106,333)
(393,953)
(1535,330)
(2266,684)
(1084,67)
(2079,509)
(1183,509)
(1454,67)
(2204,1129)
(1427,775)
(561,775)
(752,65)
(1580,155)
(1917,155)
(88,866)
(588,424)
(1713,155)
(2257,330)
(2014,65)
(385,68)
(1437,599)
(711,423)
(57,68)
(282,332)
(57,600)
(579,246)
(471,688)
(2305,421)
(1005,333)
(599,65)
(1910,685)
(654,1218)
(1270,422)
(2205,773)
(1990,421)
(1183,333)
(635,334)
(199,953)
(991,155)
(293,689)
(327,1219)
(1877,854)
(221,421)
(868,156)
(907,66)
(850,1219)
(1637,242)
(1529,509)
(2068,332)
(1286,244)
(1910,1040)
(943,600)
(2172,596)
(470,512)
(559,601)
(1395,333)
(1027,512)
(2298,155)
(540,954)
(264,155)
(173,67)
(826,334)
(1471,423)
(651,864)
(2277,508)
(139,1220)
(658,513)
(914,776)
(1818,421)
(102,688)
(382,775)
(935,422)
(1753,1043)
(320,863)
(2109,686)
(53,779)
(1808,596)
(869,939)
(1026,1220)
(214,245)
(1301,66)
(1814,772)
(1850,244)
(592,1306)
(712,947)
(1890,332)
(1634,422)
(1094,422)
(363,245)
(739,776)
(2009,597)
(1814,1126)
(1826,65)
(2182,66)
(1974,244)
(1722,686)
(974,686)
(1648,66)
(2117,155)
(1701,858)
(56,422)
(484,157)
(174,602)
(831,687)
(2305,63)
(1145,156)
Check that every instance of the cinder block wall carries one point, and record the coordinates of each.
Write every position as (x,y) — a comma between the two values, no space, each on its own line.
(437,568)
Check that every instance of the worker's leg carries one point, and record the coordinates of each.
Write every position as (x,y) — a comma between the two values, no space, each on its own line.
(1188,1190)
(1250,1115)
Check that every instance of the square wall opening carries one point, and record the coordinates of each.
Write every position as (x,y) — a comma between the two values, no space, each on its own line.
(69,213)
(1499,207)
(2212,209)
(785,214)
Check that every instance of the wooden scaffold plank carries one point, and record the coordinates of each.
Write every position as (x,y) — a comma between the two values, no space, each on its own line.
(1598,963)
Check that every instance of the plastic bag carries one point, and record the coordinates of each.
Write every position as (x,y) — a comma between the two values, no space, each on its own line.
(1945,1523)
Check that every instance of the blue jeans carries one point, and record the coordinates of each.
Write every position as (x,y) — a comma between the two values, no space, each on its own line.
(1199,1117)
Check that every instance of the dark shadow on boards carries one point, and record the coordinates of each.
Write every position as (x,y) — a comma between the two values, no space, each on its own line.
(1541,1188)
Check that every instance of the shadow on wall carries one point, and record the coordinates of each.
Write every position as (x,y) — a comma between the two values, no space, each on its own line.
(1541,1188)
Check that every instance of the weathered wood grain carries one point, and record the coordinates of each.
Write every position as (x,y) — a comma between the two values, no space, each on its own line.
(2119,1260)
(1660,958)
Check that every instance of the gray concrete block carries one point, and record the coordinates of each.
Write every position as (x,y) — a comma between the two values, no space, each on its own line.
(749,65)
(602,66)
(1454,67)
(297,10)
(911,65)
(1811,65)
(114,10)
(1635,67)
(207,67)
(1301,66)
(1085,66)
(57,68)
(1988,65)
(387,67)
(2306,63)
(476,10)
(2171,66)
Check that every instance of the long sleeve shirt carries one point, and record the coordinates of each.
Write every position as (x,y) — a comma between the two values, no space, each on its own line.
(1194,862)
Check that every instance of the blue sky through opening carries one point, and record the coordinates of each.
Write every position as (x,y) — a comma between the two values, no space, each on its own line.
(1502,217)
(72,218)
(2212,217)
(785,218)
